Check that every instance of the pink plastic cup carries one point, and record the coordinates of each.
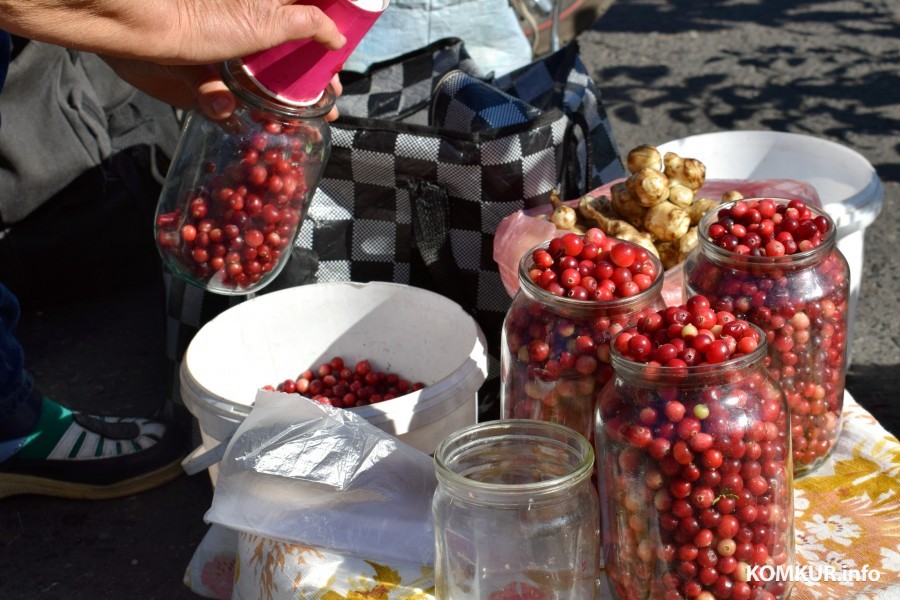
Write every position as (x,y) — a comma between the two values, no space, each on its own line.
(298,72)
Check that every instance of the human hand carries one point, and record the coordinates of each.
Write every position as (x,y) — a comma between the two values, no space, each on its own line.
(164,47)
(190,87)
(169,31)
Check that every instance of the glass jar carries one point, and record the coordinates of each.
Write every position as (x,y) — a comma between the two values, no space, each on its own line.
(694,473)
(515,513)
(237,191)
(555,350)
(801,302)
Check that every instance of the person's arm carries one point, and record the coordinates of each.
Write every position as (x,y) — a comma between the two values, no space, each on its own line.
(164,47)
(168,31)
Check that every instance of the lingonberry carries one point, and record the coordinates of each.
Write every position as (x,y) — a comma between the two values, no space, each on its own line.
(333,383)
(252,191)
(576,293)
(795,287)
(705,445)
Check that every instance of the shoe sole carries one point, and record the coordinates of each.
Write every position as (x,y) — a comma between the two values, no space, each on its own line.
(13,485)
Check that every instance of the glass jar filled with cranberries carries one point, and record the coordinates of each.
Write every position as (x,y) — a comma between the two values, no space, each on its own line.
(693,460)
(575,293)
(774,263)
(237,191)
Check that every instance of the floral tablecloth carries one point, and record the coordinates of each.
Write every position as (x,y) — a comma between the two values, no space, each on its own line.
(847,530)
(847,513)
(847,517)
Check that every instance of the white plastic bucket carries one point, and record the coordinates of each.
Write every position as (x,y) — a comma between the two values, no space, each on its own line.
(418,334)
(847,184)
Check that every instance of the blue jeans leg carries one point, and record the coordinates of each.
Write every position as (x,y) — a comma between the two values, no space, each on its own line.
(20,406)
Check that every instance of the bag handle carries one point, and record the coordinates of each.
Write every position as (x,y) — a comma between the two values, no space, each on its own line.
(431,233)
(399,87)
(570,160)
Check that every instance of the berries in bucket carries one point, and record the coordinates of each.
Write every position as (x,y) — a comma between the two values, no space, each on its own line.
(341,386)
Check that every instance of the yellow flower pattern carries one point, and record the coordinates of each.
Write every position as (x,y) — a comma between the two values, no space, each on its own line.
(848,513)
(272,570)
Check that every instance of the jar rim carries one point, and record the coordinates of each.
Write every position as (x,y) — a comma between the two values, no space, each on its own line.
(696,374)
(473,437)
(250,92)
(798,259)
(571,305)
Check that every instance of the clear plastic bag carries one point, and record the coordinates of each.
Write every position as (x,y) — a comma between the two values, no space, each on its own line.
(306,473)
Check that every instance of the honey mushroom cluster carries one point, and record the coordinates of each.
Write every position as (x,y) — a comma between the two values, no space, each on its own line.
(655,207)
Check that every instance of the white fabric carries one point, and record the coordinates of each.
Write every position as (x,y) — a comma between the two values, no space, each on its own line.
(489,28)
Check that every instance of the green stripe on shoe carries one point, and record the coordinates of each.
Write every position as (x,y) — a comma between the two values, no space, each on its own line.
(52,424)
(74,452)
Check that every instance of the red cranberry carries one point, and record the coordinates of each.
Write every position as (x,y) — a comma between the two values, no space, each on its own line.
(260,186)
(333,383)
(557,357)
(702,466)
(807,345)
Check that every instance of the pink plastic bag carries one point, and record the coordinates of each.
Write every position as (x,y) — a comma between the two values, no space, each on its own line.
(522,230)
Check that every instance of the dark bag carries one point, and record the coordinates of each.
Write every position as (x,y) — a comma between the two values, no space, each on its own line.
(428,157)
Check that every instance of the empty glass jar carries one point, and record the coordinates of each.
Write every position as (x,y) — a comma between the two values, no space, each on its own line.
(801,302)
(695,481)
(515,513)
(237,191)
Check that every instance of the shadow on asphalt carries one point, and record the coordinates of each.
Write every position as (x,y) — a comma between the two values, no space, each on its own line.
(879,396)
(869,78)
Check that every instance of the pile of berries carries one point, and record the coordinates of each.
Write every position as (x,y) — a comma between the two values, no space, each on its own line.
(592,267)
(242,216)
(695,472)
(764,227)
(341,386)
(687,336)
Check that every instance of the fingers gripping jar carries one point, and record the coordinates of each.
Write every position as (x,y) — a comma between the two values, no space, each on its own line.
(555,348)
(694,476)
(237,191)
(799,296)
(515,514)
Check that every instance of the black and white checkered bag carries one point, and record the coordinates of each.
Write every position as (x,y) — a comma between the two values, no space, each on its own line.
(430,154)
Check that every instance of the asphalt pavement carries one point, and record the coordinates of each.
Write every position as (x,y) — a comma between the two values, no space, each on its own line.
(666,70)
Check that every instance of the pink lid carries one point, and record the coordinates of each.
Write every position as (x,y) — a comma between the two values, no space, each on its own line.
(298,72)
